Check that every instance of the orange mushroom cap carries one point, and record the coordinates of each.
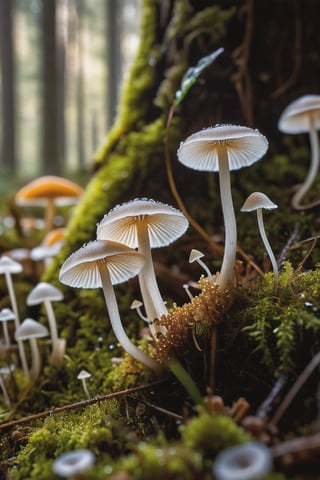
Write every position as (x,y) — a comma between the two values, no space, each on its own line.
(48,187)
(55,235)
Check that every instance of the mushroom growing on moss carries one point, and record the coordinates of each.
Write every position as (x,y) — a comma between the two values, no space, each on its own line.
(145,224)
(223,148)
(257,201)
(303,116)
(103,263)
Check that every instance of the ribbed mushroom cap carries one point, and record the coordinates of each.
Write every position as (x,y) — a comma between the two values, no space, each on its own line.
(165,223)
(83,374)
(81,268)
(257,200)
(49,186)
(9,265)
(243,144)
(295,118)
(6,314)
(44,291)
(29,328)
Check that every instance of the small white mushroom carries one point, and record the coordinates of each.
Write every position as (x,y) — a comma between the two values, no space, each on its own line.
(195,256)
(250,461)
(223,148)
(257,201)
(32,330)
(70,464)
(145,224)
(7,268)
(303,116)
(6,315)
(83,375)
(46,294)
(103,263)
(136,305)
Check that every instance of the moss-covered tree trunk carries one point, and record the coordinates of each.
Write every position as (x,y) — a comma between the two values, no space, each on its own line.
(270,58)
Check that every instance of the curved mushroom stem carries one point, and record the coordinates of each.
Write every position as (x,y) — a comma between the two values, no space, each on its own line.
(268,248)
(58,344)
(153,302)
(35,359)
(314,144)
(13,301)
(117,327)
(227,269)
(4,392)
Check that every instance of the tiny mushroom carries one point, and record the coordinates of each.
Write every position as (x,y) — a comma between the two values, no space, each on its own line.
(6,314)
(103,263)
(303,116)
(32,330)
(49,191)
(250,461)
(145,224)
(7,268)
(83,375)
(223,148)
(195,256)
(46,294)
(136,305)
(70,464)
(257,201)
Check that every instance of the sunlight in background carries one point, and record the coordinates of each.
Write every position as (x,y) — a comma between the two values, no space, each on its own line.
(89,71)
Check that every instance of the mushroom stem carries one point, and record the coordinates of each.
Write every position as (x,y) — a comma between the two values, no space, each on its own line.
(226,273)
(52,322)
(314,144)
(117,327)
(153,302)
(49,214)
(35,359)
(4,392)
(13,301)
(85,388)
(268,248)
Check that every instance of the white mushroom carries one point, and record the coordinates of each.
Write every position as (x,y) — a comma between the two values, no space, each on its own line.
(250,461)
(7,268)
(6,314)
(145,224)
(224,148)
(32,330)
(303,116)
(70,464)
(46,294)
(136,305)
(195,256)
(103,264)
(83,376)
(257,201)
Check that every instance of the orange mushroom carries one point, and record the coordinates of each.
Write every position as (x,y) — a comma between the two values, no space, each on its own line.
(49,191)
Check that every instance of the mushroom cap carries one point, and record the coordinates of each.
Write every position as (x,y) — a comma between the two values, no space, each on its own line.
(257,200)
(44,291)
(41,252)
(244,146)
(83,374)
(37,192)
(136,304)
(54,236)
(6,314)
(295,118)
(195,255)
(81,269)
(29,328)
(165,223)
(9,265)
(74,462)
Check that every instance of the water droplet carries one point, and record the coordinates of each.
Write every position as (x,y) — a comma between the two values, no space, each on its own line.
(111,347)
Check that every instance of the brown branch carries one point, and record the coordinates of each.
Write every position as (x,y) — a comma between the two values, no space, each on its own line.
(81,404)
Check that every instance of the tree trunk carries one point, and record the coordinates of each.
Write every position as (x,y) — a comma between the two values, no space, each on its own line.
(8,147)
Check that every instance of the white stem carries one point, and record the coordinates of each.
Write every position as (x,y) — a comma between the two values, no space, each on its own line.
(6,333)
(52,321)
(4,392)
(85,389)
(268,247)
(205,268)
(35,359)
(314,166)
(117,327)
(153,302)
(227,269)
(186,287)
(14,306)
